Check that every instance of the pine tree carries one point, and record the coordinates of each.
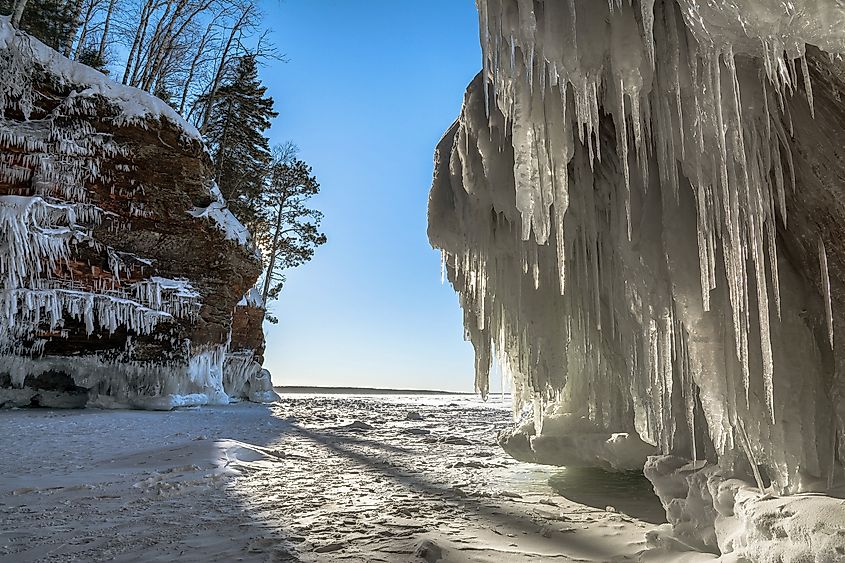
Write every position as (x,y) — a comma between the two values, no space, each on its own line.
(50,21)
(163,93)
(239,115)
(90,56)
(287,230)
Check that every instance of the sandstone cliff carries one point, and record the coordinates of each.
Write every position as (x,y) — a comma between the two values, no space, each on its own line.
(120,264)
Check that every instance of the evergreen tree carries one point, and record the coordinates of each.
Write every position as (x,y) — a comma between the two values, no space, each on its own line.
(239,115)
(90,56)
(163,93)
(287,230)
(50,21)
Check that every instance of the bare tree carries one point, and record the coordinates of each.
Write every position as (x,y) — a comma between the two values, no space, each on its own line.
(104,38)
(147,9)
(87,24)
(17,13)
(245,20)
(168,43)
(196,62)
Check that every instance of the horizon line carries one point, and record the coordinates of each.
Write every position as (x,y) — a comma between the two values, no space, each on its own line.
(391,391)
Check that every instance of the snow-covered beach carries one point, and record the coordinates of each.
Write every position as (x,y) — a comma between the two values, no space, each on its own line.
(312,478)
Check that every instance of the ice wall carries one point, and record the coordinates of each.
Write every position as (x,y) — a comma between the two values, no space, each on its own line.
(120,265)
(613,207)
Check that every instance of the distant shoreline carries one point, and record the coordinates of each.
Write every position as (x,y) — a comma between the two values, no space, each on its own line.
(296,389)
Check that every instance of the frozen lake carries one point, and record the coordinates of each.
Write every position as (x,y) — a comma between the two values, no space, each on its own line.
(312,478)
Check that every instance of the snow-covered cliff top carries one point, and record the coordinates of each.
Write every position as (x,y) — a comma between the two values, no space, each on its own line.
(136,106)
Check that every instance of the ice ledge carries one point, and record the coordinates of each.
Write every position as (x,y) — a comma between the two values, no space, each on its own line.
(219,213)
(568,440)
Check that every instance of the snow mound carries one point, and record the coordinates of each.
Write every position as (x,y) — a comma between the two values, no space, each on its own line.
(135,106)
(711,512)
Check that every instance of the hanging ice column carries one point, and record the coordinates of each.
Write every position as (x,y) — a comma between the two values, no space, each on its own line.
(610,205)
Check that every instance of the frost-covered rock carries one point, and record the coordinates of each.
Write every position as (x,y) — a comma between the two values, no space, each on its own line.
(641,209)
(120,265)
(261,388)
(243,377)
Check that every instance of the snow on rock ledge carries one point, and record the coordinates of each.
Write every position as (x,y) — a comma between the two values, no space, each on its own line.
(120,265)
(641,210)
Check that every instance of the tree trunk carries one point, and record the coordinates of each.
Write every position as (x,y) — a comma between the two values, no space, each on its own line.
(101,52)
(83,35)
(159,47)
(75,23)
(192,69)
(17,14)
(274,249)
(150,47)
(222,147)
(165,52)
(139,35)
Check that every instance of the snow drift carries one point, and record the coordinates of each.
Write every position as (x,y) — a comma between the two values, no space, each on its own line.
(640,209)
(120,265)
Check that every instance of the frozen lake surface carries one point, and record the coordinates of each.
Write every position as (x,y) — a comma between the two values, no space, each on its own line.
(337,477)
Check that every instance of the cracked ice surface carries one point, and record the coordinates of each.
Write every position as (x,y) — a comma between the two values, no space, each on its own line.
(608,207)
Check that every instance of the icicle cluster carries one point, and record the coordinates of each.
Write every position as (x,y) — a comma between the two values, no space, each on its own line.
(608,206)
(36,238)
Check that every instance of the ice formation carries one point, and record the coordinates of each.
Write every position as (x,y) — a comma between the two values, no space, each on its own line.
(712,512)
(77,297)
(612,206)
(574,441)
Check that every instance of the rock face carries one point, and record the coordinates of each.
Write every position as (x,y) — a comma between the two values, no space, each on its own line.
(242,374)
(120,264)
(641,208)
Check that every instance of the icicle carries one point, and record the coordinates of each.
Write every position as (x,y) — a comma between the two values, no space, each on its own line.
(647,14)
(808,86)
(825,279)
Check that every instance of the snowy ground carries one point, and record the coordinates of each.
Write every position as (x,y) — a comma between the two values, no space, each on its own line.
(314,478)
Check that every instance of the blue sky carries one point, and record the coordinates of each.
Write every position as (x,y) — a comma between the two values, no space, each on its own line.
(368,90)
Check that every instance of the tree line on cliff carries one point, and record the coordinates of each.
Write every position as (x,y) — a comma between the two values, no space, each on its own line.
(202,57)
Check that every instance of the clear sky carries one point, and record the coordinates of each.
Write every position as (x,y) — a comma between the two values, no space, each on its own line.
(369,88)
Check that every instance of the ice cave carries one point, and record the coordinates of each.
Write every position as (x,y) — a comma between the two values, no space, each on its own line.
(640,209)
